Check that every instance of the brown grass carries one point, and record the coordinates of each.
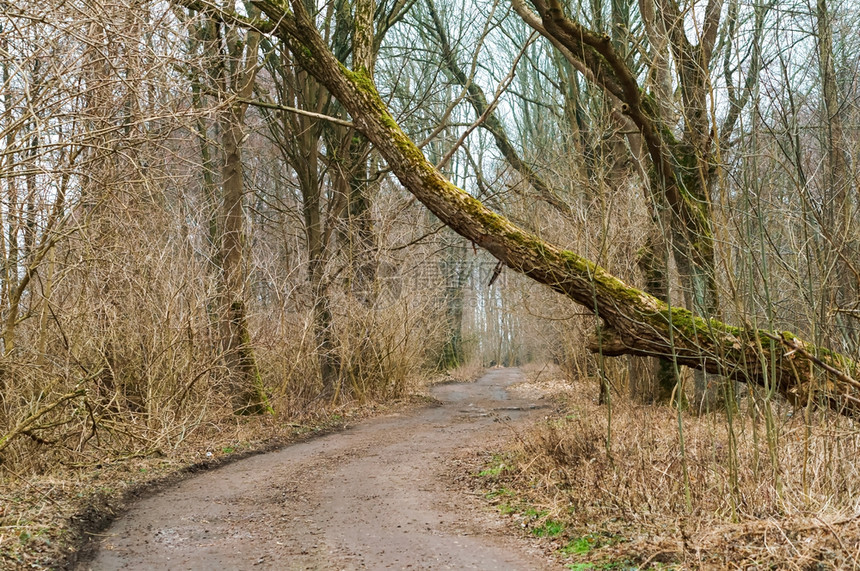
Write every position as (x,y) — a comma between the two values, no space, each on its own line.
(782,498)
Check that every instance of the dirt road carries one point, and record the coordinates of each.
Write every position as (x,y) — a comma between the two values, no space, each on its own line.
(377,496)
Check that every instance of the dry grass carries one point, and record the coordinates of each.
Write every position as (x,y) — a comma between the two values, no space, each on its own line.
(781,498)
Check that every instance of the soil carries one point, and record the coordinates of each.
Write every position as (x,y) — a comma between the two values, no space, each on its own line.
(379,495)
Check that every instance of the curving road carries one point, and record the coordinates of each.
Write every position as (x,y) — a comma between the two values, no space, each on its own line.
(377,496)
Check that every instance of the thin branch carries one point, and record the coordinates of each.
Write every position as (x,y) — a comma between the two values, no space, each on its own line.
(491,107)
(27,424)
(278,107)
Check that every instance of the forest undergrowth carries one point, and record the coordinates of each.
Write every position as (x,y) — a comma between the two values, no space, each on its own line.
(645,487)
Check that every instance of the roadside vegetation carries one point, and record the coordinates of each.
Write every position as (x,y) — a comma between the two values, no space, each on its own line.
(624,494)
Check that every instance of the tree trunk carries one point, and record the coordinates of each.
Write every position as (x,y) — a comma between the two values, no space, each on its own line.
(455,272)
(247,387)
(247,390)
(837,181)
(656,381)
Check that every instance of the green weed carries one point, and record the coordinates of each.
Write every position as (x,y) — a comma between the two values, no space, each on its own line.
(494,471)
(577,546)
(507,509)
(550,528)
(588,566)
(499,492)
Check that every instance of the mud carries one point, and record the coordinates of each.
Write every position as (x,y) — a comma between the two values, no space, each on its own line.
(377,496)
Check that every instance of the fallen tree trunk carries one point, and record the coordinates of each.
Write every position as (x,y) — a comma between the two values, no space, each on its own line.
(635,323)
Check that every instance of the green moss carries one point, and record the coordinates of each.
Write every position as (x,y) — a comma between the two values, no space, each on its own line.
(683,320)
(579,264)
(720,326)
(666,135)
(622,291)
(693,327)
(491,221)
(837,360)
(307,53)
(361,79)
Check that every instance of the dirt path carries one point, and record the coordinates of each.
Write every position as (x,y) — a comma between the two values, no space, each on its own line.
(377,496)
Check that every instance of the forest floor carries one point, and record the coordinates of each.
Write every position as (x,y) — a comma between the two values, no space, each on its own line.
(388,492)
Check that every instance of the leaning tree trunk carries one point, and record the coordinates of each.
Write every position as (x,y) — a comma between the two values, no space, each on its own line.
(634,322)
